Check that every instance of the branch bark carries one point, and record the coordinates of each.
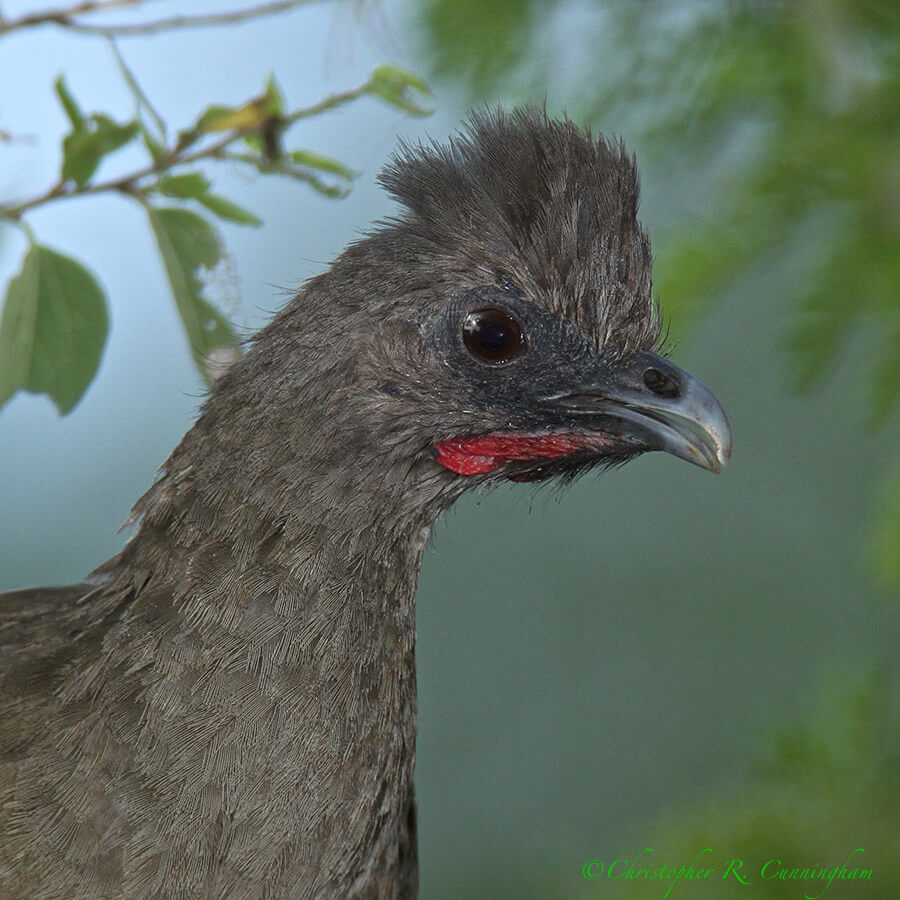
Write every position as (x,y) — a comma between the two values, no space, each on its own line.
(63,16)
(130,184)
(68,18)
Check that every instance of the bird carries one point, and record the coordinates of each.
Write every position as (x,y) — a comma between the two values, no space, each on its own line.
(227,707)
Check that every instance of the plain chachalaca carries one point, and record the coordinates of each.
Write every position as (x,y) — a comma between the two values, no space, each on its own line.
(227,708)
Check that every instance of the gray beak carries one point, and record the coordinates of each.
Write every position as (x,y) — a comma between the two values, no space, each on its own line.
(658,405)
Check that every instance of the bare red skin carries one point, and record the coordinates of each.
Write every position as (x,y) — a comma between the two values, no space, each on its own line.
(486,453)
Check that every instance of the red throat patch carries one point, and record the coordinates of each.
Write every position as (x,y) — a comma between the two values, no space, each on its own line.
(478,455)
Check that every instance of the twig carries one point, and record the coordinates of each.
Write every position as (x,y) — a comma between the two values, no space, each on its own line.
(285,168)
(331,102)
(64,15)
(139,94)
(7,137)
(209,20)
(129,183)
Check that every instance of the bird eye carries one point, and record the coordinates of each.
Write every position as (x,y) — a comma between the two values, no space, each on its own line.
(493,335)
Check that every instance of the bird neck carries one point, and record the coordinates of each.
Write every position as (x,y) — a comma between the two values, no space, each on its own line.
(291,617)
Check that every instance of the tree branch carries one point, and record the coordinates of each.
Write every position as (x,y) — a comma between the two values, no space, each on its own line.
(139,94)
(66,18)
(63,16)
(7,137)
(331,102)
(130,184)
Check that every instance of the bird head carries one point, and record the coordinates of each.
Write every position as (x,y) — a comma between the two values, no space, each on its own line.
(522,338)
(501,326)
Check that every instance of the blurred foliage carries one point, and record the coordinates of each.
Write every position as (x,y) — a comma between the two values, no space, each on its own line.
(782,121)
(790,115)
(54,323)
(824,787)
(885,536)
(482,41)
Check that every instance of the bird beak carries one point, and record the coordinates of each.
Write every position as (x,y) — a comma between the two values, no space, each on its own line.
(660,406)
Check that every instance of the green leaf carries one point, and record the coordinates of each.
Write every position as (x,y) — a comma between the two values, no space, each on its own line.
(396,88)
(252,115)
(324,163)
(80,157)
(68,103)
(157,150)
(83,149)
(195,186)
(189,245)
(254,140)
(189,185)
(332,191)
(217,118)
(225,209)
(274,97)
(53,329)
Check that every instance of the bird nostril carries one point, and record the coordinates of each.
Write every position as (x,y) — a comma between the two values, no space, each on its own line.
(661,384)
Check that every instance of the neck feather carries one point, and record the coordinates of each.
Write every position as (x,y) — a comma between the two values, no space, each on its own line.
(280,636)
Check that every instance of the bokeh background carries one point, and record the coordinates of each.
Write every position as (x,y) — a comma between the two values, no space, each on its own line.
(654,657)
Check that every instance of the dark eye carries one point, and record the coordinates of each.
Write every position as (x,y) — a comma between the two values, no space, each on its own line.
(493,335)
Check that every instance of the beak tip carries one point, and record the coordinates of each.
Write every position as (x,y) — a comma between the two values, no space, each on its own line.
(723,445)
(723,458)
(688,423)
(709,444)
(717,455)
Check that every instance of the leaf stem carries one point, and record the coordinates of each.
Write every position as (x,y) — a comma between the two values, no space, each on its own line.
(140,96)
(65,18)
(174,158)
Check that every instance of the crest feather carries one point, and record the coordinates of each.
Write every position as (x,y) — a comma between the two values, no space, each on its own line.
(552,204)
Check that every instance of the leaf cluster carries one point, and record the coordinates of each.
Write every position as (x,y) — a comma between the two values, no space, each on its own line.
(55,321)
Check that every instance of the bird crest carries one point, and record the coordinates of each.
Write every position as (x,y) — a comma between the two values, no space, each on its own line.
(551,205)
